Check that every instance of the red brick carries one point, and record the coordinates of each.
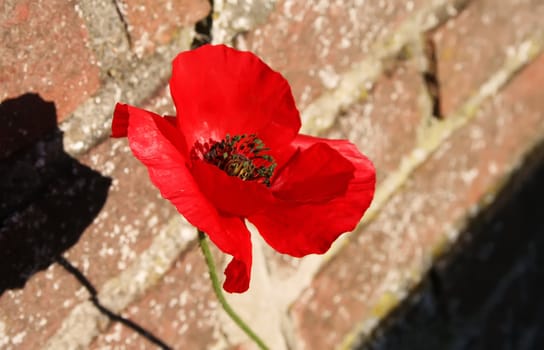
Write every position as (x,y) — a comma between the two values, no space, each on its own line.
(33,314)
(152,23)
(44,51)
(385,124)
(310,43)
(132,216)
(391,251)
(476,43)
(181,310)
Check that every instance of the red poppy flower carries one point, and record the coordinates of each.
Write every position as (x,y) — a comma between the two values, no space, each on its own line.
(233,152)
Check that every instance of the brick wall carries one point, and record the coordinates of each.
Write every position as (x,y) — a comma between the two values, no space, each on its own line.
(445,96)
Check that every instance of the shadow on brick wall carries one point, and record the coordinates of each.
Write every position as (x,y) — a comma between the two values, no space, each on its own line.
(486,294)
(47,198)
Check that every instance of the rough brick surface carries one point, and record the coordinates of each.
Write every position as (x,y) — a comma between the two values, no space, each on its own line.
(48,208)
(311,43)
(101,212)
(44,51)
(133,214)
(29,316)
(181,311)
(373,270)
(486,292)
(385,124)
(152,23)
(475,44)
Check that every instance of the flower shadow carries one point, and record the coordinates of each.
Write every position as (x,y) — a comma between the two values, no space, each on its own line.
(47,198)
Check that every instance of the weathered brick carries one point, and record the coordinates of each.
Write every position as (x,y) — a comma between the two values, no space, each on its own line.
(491,280)
(387,256)
(180,311)
(29,316)
(50,199)
(152,23)
(385,124)
(311,43)
(476,43)
(131,217)
(133,214)
(48,208)
(44,51)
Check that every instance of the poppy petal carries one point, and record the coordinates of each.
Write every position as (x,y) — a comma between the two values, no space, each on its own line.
(153,141)
(218,91)
(119,123)
(307,226)
(172,120)
(316,174)
(238,271)
(229,194)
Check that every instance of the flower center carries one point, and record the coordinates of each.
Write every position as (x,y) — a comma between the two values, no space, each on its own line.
(243,156)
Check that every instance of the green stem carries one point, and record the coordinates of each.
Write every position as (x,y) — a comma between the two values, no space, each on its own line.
(219,292)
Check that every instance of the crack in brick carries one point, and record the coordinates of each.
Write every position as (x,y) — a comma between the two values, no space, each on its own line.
(430,75)
(123,21)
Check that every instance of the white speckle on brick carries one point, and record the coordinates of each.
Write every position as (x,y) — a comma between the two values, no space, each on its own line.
(4,338)
(329,78)
(42,322)
(419,154)
(18,338)
(492,168)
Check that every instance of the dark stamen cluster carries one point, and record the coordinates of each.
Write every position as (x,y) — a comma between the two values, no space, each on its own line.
(243,156)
